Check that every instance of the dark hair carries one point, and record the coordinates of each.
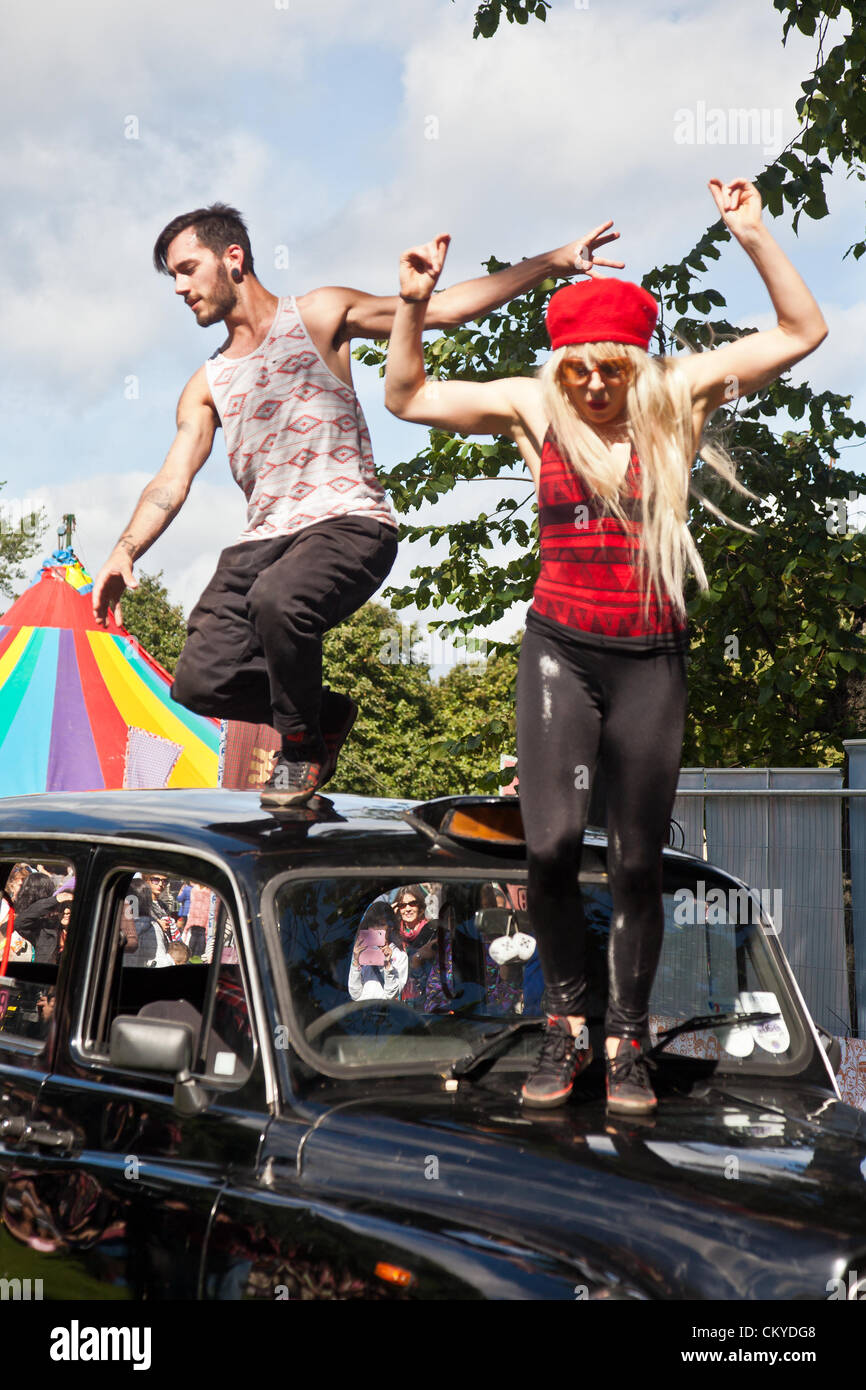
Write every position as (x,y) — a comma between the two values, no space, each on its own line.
(416,893)
(32,889)
(216,227)
(381,914)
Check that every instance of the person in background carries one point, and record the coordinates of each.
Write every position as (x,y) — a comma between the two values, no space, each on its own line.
(153,926)
(194,905)
(417,936)
(385,981)
(39,915)
(20,950)
(17,876)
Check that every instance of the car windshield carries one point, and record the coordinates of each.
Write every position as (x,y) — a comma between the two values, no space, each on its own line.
(385,972)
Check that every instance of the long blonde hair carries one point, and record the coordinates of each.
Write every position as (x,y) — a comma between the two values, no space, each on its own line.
(658,410)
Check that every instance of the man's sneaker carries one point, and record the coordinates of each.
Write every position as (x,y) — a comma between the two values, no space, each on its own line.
(561,1060)
(629,1089)
(335,738)
(291,783)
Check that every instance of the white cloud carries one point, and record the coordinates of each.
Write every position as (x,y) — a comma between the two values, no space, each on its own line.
(553,128)
(541,132)
(186,553)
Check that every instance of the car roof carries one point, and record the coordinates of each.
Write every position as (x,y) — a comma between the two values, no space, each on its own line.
(234,823)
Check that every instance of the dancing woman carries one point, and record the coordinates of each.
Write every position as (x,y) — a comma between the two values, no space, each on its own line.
(609,435)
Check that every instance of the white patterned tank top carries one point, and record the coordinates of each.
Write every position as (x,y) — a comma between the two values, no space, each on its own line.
(295,434)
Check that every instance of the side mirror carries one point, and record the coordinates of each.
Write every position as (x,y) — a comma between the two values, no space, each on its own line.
(161,1045)
(150,1044)
(190,1097)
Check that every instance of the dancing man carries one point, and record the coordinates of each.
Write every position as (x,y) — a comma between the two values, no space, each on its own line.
(320,535)
(609,435)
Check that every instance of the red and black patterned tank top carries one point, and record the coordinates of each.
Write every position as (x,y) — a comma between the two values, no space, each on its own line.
(589,582)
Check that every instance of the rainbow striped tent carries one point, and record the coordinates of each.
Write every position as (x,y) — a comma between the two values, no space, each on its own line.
(84,707)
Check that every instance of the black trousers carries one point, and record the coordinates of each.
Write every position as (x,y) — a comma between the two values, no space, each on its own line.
(578,707)
(254,645)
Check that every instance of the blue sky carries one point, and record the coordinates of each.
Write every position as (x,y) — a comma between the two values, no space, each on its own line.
(312,119)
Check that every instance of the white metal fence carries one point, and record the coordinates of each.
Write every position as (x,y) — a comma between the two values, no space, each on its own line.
(798,837)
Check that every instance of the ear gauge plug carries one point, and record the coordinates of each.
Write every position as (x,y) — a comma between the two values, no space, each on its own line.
(236,275)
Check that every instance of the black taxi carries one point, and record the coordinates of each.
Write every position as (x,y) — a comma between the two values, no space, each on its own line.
(264,1057)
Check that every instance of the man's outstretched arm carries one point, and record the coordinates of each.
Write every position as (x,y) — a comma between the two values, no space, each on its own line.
(163,497)
(371,316)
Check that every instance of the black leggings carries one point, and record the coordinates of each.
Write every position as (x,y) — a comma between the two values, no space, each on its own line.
(579,707)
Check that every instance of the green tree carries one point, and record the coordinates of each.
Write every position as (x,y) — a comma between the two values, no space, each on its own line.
(158,624)
(413,737)
(475,722)
(388,754)
(778,645)
(20,538)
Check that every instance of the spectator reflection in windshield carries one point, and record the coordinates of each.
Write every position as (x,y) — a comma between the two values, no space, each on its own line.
(380,965)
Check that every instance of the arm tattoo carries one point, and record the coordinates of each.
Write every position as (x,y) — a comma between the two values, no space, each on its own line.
(128,544)
(161,497)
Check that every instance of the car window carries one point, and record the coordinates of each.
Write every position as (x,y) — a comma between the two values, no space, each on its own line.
(382,970)
(37,913)
(385,972)
(169,953)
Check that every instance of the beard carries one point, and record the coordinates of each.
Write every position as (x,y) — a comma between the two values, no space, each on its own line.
(220,303)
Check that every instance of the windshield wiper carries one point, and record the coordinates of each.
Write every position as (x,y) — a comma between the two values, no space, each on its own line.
(494,1042)
(503,1037)
(700,1023)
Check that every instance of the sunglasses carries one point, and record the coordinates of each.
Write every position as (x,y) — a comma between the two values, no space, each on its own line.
(576,372)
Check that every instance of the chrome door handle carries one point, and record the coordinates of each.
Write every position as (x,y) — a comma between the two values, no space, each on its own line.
(42,1134)
(12,1126)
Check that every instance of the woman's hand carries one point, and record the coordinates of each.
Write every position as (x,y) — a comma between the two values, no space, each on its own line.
(749,364)
(420,268)
(580,256)
(739,202)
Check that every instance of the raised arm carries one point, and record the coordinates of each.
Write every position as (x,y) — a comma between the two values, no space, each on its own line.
(467,407)
(163,497)
(372,316)
(740,368)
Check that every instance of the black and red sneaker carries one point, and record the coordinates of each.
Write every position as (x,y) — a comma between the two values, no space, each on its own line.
(335,736)
(629,1089)
(561,1060)
(292,782)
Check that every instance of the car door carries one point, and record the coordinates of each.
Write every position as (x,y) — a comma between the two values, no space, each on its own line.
(40,909)
(125,1184)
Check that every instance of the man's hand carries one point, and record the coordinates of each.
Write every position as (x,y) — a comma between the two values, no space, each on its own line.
(420,268)
(578,257)
(113,580)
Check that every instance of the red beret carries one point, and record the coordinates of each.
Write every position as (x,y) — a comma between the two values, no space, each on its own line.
(601,311)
